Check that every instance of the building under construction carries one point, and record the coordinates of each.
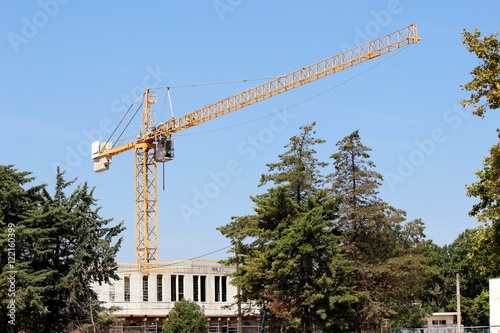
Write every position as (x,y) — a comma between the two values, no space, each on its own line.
(145,299)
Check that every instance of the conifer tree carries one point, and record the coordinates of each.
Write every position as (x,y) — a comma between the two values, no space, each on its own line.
(292,264)
(298,169)
(62,246)
(22,301)
(384,251)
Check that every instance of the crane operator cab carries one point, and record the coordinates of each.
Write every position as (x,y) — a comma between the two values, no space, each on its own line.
(165,149)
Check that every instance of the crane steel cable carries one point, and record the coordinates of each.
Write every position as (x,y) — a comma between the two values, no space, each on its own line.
(121,120)
(116,128)
(216,83)
(301,102)
(185,260)
(135,113)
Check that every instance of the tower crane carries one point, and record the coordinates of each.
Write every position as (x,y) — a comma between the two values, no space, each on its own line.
(155,145)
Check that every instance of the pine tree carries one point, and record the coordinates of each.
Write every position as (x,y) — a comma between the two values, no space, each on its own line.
(383,251)
(64,246)
(292,263)
(298,168)
(24,295)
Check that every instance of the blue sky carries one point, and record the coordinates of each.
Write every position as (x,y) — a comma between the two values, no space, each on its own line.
(70,69)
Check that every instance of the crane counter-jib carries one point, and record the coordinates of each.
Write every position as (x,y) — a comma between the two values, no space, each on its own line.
(154,142)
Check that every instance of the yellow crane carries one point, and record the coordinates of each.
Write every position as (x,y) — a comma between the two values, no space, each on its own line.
(154,143)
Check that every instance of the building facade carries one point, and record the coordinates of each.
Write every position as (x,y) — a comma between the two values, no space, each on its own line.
(441,319)
(145,298)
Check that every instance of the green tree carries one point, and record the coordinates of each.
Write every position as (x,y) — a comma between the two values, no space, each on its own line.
(473,282)
(290,251)
(436,289)
(17,202)
(310,287)
(387,253)
(234,231)
(62,247)
(485,84)
(185,317)
(484,243)
(486,246)
(440,290)
(298,168)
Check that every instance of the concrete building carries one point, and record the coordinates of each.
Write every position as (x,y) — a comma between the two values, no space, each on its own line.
(441,319)
(494,305)
(145,299)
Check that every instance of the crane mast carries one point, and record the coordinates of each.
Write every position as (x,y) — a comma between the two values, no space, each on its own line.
(154,144)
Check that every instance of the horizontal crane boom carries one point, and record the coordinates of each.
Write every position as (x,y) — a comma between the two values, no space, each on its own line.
(154,144)
(337,63)
(281,84)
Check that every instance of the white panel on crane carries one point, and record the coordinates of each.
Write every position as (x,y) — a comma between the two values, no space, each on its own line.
(100,163)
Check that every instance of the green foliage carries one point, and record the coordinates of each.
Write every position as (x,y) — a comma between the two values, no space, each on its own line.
(486,243)
(16,203)
(185,317)
(487,188)
(337,258)
(62,246)
(334,256)
(483,243)
(388,254)
(485,84)
(298,166)
(439,291)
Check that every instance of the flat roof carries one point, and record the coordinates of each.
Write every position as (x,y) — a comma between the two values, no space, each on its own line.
(444,314)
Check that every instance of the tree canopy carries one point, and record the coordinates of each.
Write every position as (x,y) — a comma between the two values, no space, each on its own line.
(325,252)
(484,241)
(485,83)
(185,317)
(62,245)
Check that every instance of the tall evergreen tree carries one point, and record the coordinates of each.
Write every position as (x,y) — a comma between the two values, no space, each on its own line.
(293,264)
(385,253)
(22,301)
(298,168)
(66,245)
(335,259)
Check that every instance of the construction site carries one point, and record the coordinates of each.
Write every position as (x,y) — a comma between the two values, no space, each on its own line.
(146,299)
(148,288)
(232,166)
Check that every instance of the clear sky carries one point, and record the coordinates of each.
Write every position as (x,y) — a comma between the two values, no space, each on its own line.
(70,69)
